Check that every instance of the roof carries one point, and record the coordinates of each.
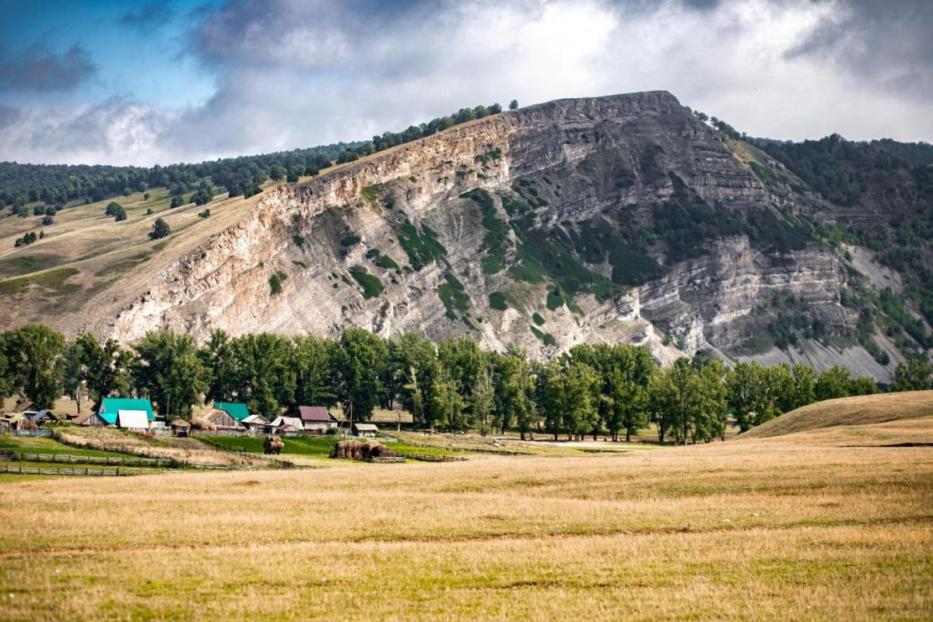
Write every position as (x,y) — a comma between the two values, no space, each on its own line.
(256,420)
(237,410)
(295,422)
(180,423)
(113,405)
(315,414)
(366,427)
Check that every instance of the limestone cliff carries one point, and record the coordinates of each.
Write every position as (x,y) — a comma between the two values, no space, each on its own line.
(620,218)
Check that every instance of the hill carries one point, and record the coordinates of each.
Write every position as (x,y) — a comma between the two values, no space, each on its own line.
(623,219)
(906,414)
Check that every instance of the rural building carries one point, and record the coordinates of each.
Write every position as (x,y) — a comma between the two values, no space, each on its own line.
(217,419)
(287,425)
(256,423)
(180,427)
(237,410)
(90,419)
(316,418)
(365,429)
(43,417)
(134,414)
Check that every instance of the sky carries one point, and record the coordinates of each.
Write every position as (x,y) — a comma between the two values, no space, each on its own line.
(153,82)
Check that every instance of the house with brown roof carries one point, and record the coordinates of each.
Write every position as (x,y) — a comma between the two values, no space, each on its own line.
(316,418)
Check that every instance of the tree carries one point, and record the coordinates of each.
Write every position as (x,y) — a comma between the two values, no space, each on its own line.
(832,383)
(105,369)
(160,229)
(116,210)
(264,372)
(217,359)
(33,353)
(73,373)
(513,105)
(413,363)
(359,359)
(913,375)
(483,400)
(447,403)
(313,359)
(581,399)
(168,371)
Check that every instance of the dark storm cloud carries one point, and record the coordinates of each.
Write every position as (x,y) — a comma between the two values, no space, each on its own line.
(149,16)
(888,43)
(39,69)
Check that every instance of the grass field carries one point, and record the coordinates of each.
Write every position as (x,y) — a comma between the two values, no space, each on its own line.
(863,410)
(736,530)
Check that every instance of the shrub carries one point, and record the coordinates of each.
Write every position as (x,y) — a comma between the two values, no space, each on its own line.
(497,301)
(371,284)
(160,229)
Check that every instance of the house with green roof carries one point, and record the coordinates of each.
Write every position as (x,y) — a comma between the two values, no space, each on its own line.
(126,412)
(237,410)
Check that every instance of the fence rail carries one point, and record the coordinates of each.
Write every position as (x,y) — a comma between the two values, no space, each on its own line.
(39,432)
(24,456)
(25,470)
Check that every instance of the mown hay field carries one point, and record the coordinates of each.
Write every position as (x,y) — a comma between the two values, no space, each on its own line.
(735,530)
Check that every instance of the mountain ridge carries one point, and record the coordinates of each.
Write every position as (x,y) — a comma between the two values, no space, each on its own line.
(623,218)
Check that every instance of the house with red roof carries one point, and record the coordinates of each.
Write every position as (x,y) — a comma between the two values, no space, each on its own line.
(316,418)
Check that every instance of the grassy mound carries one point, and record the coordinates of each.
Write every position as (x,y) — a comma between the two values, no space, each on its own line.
(849,411)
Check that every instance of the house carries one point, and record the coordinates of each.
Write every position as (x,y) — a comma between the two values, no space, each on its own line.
(365,429)
(237,410)
(44,416)
(256,423)
(316,418)
(286,425)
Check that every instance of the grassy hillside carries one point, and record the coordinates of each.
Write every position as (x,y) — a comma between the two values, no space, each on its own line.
(721,531)
(849,411)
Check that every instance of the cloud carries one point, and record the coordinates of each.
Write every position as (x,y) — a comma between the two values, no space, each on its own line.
(149,16)
(39,69)
(888,44)
(296,73)
(116,130)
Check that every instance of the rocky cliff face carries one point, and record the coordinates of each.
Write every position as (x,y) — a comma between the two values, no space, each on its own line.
(620,218)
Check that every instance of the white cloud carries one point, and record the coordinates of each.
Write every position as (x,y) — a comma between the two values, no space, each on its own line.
(294,74)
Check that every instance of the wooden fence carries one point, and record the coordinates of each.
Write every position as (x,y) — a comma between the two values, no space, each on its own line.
(39,432)
(86,471)
(23,456)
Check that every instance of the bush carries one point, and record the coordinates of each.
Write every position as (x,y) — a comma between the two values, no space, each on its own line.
(498,302)
(371,285)
(160,229)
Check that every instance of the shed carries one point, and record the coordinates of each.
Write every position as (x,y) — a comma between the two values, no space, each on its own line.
(287,424)
(365,429)
(237,410)
(43,416)
(256,423)
(112,407)
(316,418)
(180,427)
(221,420)
(90,419)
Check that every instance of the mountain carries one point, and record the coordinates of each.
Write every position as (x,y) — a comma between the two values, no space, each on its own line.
(624,219)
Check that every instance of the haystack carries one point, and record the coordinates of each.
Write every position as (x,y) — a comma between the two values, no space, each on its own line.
(273,445)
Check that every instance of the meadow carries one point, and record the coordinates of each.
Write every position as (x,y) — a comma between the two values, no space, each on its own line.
(745,529)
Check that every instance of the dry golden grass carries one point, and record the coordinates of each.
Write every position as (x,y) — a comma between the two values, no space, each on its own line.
(849,411)
(748,530)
